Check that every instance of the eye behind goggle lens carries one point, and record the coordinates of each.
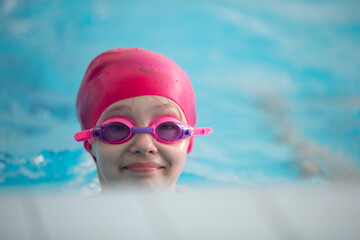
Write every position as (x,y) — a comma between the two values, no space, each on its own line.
(115,131)
(168,131)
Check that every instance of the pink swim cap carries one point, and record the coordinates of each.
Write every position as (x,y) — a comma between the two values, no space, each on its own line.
(123,73)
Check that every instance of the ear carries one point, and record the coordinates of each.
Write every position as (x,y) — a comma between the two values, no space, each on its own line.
(88,148)
(191,143)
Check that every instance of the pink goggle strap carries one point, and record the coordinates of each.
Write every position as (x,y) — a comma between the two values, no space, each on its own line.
(202,131)
(83,135)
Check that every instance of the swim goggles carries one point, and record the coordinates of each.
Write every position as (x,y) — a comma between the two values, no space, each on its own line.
(165,129)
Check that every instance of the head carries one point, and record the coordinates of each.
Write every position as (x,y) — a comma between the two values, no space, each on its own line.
(141,86)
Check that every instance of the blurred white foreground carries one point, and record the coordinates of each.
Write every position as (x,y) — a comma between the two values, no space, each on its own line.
(275,213)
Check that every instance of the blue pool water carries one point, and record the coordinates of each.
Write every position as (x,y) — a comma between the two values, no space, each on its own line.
(278,83)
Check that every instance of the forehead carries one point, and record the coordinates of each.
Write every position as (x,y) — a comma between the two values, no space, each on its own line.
(144,108)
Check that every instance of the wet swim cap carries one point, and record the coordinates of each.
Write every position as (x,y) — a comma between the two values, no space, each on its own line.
(123,73)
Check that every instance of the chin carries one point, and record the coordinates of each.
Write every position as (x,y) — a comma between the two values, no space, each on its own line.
(142,183)
(151,183)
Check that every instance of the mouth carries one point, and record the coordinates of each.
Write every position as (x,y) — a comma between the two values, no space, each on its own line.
(142,167)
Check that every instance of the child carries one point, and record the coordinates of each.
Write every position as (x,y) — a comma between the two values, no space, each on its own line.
(137,112)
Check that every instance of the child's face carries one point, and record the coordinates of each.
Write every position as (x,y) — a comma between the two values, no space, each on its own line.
(161,163)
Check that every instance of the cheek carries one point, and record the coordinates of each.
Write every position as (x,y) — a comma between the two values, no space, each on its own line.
(106,154)
(176,154)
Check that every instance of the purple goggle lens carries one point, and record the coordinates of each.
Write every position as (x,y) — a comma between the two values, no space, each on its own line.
(115,131)
(168,131)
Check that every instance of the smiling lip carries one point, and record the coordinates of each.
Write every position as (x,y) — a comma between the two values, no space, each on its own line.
(142,167)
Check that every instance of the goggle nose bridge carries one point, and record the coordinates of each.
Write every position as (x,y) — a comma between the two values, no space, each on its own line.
(142,130)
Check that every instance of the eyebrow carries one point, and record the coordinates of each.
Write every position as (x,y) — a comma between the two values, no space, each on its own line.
(159,109)
(123,109)
(168,108)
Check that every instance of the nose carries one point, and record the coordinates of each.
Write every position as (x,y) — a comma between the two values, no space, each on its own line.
(143,144)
